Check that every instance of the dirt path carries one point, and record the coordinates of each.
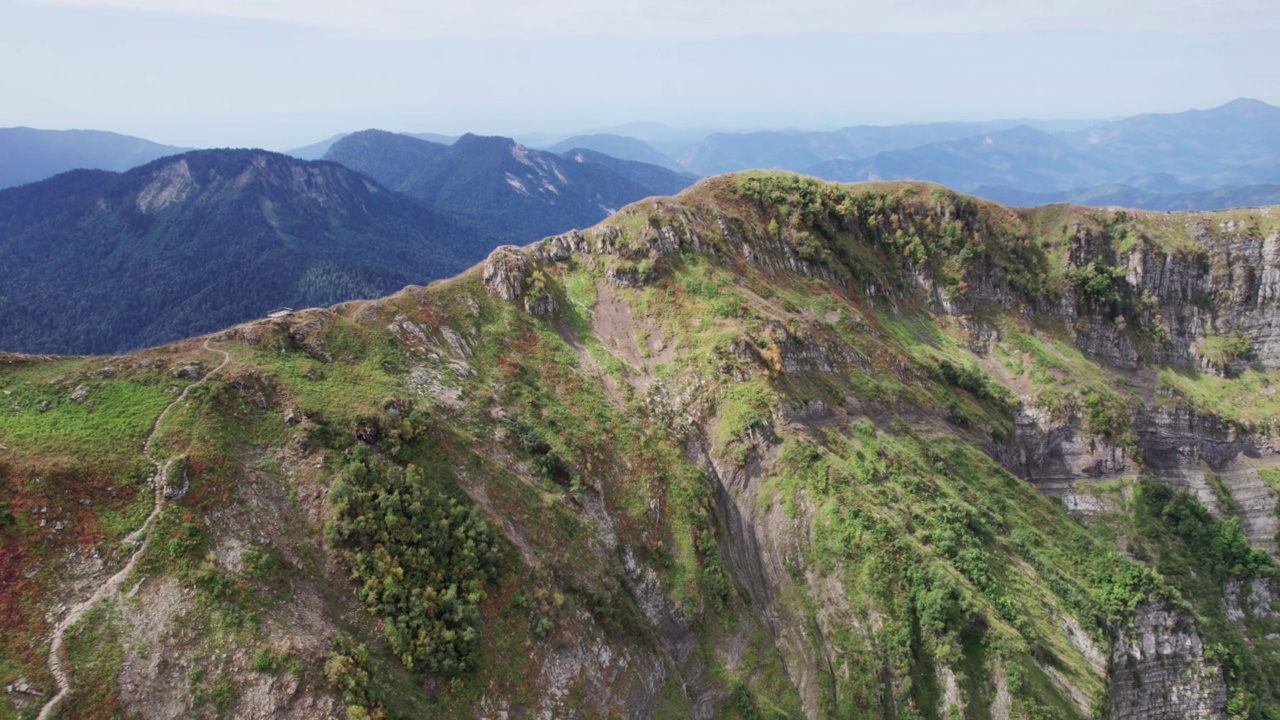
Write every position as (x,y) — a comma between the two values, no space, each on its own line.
(144,532)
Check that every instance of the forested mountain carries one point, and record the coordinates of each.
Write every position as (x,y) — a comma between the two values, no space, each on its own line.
(93,261)
(28,155)
(655,179)
(772,448)
(509,191)
(392,159)
(102,262)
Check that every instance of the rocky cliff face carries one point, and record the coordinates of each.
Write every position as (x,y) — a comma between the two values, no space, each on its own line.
(1158,670)
(1157,667)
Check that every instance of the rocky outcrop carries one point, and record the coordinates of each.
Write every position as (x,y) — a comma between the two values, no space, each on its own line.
(1254,598)
(504,272)
(1181,447)
(756,554)
(1053,454)
(1159,671)
(1195,452)
(1226,280)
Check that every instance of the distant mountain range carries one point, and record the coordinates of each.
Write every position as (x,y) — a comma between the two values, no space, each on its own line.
(1020,157)
(799,150)
(618,146)
(1237,144)
(1209,155)
(1121,195)
(508,191)
(28,154)
(98,262)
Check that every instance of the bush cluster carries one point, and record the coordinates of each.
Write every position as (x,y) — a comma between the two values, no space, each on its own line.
(1219,545)
(420,557)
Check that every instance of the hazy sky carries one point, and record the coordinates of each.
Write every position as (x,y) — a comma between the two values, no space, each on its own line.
(283,73)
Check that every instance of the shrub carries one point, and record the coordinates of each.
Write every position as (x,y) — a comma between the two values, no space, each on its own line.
(420,557)
(1102,286)
(1219,545)
(347,670)
(263,661)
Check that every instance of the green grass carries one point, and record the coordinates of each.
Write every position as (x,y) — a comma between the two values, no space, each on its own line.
(1224,348)
(1196,553)
(922,515)
(581,290)
(1248,398)
(109,425)
(1271,476)
(94,653)
(743,407)
(1070,385)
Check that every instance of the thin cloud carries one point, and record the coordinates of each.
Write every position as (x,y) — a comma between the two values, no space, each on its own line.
(485,19)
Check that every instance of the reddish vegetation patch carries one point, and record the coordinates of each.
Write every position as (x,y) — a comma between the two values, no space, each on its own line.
(211,482)
(522,346)
(69,496)
(19,612)
(68,499)
(429,315)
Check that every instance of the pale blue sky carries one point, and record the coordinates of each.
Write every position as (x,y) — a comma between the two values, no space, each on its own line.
(283,73)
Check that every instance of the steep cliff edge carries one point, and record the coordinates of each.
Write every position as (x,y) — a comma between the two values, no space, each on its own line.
(772,448)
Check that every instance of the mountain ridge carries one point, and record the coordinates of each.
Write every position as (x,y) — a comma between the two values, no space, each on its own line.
(1234,144)
(1128,196)
(772,446)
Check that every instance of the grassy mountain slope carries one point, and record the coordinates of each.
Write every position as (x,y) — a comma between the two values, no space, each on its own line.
(772,448)
(28,154)
(103,262)
(504,189)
